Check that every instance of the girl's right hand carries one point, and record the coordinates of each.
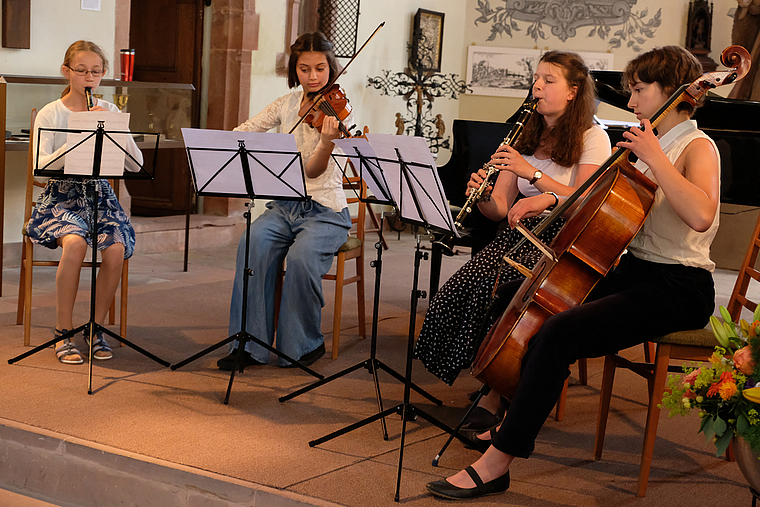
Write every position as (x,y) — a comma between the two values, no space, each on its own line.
(476,179)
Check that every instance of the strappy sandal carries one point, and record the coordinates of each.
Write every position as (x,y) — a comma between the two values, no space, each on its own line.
(100,348)
(67,353)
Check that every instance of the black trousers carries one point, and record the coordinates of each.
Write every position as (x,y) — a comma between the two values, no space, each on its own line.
(636,302)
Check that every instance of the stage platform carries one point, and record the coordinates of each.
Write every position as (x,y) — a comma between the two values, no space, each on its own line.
(149,436)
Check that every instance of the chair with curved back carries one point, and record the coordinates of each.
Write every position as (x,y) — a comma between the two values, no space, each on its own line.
(692,345)
(24,313)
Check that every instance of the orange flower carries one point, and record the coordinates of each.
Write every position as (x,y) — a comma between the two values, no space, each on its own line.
(725,387)
(743,360)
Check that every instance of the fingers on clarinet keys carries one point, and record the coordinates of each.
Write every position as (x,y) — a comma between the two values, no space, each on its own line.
(445,489)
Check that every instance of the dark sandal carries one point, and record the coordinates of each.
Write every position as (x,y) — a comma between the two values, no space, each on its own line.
(100,348)
(67,353)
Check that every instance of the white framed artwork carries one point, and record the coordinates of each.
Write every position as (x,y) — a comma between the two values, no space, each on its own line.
(500,71)
(508,72)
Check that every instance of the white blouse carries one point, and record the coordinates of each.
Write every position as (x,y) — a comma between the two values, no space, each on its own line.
(327,188)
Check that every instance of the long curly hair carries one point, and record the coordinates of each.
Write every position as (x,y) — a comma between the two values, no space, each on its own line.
(578,116)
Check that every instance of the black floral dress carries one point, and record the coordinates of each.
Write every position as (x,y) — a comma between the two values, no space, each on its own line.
(449,334)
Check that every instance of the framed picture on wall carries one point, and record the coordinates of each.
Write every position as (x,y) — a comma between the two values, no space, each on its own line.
(598,61)
(500,71)
(427,40)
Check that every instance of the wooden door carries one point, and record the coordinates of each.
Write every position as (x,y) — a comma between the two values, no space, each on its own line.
(167,37)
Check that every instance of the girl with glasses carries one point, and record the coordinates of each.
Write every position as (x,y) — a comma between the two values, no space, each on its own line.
(62,215)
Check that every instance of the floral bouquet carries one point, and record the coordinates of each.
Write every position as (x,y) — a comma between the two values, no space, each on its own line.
(723,390)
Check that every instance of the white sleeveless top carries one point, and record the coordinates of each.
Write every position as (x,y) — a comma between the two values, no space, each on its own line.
(665,238)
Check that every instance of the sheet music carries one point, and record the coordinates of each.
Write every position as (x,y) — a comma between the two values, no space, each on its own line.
(80,159)
(369,171)
(423,181)
(277,174)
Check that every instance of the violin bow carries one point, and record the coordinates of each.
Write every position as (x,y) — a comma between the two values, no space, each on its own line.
(321,94)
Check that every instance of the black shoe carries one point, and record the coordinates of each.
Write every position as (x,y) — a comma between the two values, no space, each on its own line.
(227,363)
(481,420)
(445,489)
(309,358)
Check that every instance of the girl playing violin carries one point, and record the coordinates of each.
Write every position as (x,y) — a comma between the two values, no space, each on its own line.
(308,232)
(558,150)
(661,285)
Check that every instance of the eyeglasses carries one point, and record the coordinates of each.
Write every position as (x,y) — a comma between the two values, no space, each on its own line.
(81,72)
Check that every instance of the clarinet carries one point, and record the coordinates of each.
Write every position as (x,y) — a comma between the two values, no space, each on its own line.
(447,241)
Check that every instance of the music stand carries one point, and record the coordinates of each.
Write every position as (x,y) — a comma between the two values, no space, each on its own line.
(115,169)
(223,164)
(359,153)
(413,183)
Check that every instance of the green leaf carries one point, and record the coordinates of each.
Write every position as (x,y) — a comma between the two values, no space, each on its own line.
(756,315)
(720,426)
(708,429)
(722,443)
(742,424)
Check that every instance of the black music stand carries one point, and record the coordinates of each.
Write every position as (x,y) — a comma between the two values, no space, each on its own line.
(360,155)
(100,135)
(421,201)
(222,165)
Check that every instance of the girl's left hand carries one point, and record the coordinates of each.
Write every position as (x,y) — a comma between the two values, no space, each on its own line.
(643,143)
(509,159)
(529,207)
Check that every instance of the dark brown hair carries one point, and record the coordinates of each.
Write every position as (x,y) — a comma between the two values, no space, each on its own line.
(668,66)
(79,47)
(315,41)
(578,116)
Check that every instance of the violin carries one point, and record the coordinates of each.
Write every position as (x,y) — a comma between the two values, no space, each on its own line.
(332,103)
(332,100)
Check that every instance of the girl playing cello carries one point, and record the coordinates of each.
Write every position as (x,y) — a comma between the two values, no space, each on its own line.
(662,285)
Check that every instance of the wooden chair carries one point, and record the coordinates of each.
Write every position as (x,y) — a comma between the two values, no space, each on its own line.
(24,313)
(694,345)
(353,248)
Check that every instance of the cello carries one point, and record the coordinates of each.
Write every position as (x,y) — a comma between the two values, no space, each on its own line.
(617,201)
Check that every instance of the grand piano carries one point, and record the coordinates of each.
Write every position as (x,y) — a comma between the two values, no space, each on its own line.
(734,125)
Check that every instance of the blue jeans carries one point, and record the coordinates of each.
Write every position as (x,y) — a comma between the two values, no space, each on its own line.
(309,234)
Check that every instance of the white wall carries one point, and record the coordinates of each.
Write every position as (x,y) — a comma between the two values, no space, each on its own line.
(671,31)
(55,25)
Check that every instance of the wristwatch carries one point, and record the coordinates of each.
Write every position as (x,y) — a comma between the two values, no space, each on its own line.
(536,176)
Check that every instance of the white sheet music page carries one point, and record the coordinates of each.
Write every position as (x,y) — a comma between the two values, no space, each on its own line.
(273,161)
(80,159)
(423,181)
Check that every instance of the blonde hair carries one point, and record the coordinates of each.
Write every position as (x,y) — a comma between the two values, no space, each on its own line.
(79,47)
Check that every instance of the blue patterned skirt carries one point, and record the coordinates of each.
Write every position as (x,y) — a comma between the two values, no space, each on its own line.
(65,207)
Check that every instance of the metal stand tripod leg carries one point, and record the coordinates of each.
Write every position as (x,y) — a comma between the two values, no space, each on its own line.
(244,336)
(405,409)
(91,327)
(372,364)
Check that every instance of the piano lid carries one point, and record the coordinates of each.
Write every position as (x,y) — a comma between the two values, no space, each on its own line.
(717,112)
(733,125)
